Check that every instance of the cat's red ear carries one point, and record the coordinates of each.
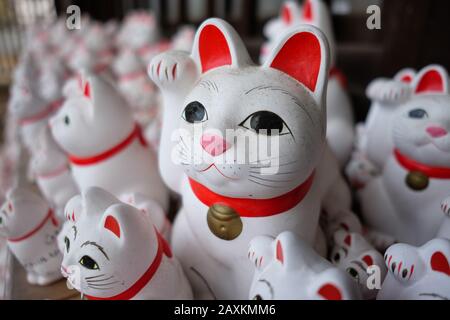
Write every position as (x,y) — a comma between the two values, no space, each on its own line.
(439,263)
(112,225)
(217,44)
(330,292)
(432,79)
(303,54)
(279,252)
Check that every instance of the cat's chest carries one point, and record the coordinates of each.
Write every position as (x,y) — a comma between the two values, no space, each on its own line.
(412,190)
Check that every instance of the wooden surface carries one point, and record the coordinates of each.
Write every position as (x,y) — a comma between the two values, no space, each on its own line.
(22,290)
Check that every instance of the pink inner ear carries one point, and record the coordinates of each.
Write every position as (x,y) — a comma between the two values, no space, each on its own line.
(348,240)
(213,48)
(431,82)
(112,225)
(307,11)
(368,260)
(330,292)
(439,263)
(280,256)
(286,14)
(300,58)
(87,90)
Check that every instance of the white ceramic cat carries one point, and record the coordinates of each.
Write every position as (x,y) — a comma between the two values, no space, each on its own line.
(417,273)
(105,145)
(28,223)
(218,88)
(183,39)
(340,132)
(51,169)
(114,252)
(374,137)
(288,268)
(353,254)
(404,200)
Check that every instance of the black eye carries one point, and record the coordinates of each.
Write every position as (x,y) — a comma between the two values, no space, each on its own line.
(266,120)
(195,112)
(89,263)
(418,114)
(257,297)
(67,120)
(67,242)
(353,273)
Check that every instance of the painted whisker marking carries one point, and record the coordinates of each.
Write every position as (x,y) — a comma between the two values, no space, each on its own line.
(270,180)
(264,185)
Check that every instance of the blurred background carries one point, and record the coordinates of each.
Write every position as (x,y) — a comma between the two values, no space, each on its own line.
(413,33)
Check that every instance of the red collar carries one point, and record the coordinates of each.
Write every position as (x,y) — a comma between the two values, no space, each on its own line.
(412,165)
(44,114)
(49,216)
(54,173)
(163,249)
(254,208)
(135,134)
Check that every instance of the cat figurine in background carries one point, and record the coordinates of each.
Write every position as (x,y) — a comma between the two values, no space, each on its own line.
(417,273)
(374,142)
(416,176)
(287,268)
(50,167)
(340,122)
(105,145)
(114,252)
(353,254)
(226,204)
(31,228)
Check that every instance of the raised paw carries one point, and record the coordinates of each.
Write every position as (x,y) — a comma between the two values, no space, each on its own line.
(360,171)
(260,251)
(445,206)
(172,70)
(388,91)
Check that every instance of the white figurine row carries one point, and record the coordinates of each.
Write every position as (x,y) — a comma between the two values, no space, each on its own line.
(251,225)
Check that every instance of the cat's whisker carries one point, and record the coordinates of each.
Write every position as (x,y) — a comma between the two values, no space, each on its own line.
(264,185)
(100,280)
(98,276)
(270,180)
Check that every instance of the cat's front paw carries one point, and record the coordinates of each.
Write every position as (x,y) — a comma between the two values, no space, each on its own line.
(360,171)
(173,70)
(388,91)
(260,251)
(445,206)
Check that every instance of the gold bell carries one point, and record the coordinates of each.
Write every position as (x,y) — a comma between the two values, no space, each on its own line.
(224,222)
(417,180)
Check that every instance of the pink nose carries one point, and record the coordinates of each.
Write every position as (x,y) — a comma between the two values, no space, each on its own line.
(214,144)
(436,132)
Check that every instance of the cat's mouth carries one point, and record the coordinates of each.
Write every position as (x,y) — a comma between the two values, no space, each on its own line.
(214,167)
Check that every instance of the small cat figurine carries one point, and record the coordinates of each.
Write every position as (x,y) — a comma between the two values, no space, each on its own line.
(404,200)
(340,134)
(374,139)
(353,254)
(227,203)
(52,172)
(417,273)
(114,252)
(104,143)
(31,228)
(287,268)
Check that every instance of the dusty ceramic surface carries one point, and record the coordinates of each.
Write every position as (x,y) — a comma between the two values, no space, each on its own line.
(105,145)
(31,228)
(218,88)
(340,133)
(417,273)
(415,177)
(354,254)
(113,252)
(286,267)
